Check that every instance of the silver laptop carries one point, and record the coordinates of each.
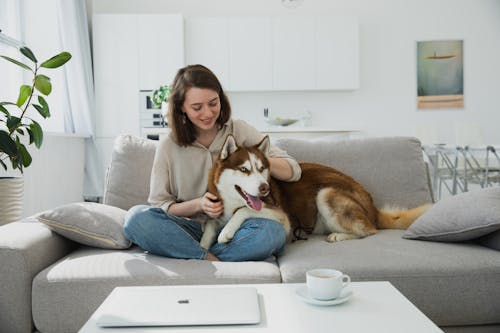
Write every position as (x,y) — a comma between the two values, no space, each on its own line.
(179,306)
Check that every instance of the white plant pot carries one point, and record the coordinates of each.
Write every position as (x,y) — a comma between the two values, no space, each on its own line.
(11,199)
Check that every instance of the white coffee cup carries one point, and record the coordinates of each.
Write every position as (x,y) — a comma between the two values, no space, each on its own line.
(325,283)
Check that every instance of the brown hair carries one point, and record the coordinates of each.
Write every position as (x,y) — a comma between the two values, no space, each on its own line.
(183,130)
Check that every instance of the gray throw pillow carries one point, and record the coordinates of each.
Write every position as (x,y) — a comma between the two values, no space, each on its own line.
(88,223)
(491,240)
(462,217)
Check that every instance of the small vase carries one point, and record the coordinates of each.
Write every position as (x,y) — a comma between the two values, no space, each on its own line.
(11,199)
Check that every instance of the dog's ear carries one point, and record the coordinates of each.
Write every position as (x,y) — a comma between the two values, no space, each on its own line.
(264,145)
(228,148)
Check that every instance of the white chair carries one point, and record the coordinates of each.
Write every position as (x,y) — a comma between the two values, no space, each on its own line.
(444,160)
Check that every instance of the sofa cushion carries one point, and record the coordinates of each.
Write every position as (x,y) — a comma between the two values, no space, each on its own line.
(452,283)
(464,216)
(128,176)
(88,223)
(80,282)
(391,169)
(491,240)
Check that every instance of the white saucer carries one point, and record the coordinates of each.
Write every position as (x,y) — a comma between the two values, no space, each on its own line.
(303,293)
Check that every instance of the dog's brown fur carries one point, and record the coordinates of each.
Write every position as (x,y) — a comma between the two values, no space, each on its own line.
(346,199)
(324,200)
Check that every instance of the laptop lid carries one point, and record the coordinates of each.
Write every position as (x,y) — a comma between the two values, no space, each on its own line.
(179,306)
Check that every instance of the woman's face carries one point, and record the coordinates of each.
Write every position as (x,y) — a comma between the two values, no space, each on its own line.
(202,107)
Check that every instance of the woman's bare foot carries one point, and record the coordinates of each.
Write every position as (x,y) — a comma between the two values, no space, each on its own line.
(211,257)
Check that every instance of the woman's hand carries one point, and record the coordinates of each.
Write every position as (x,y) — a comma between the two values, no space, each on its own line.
(211,205)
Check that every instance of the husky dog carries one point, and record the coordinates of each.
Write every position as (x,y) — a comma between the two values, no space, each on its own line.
(324,200)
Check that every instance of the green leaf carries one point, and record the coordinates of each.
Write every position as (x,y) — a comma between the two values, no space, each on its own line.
(20,131)
(16,160)
(17,62)
(7,144)
(45,107)
(15,163)
(36,134)
(27,52)
(25,157)
(4,165)
(7,103)
(24,93)
(13,122)
(30,134)
(160,95)
(4,110)
(38,108)
(43,85)
(57,60)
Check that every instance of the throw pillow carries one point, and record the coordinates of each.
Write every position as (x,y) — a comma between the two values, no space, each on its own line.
(491,240)
(462,217)
(88,223)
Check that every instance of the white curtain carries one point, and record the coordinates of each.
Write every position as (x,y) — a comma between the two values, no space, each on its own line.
(49,27)
(10,76)
(74,34)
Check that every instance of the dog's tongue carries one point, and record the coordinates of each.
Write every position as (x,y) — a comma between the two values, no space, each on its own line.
(254,202)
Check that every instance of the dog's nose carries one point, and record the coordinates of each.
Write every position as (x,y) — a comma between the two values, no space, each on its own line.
(263,189)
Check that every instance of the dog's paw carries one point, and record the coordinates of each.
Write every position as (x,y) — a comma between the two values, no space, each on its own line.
(225,236)
(205,244)
(338,236)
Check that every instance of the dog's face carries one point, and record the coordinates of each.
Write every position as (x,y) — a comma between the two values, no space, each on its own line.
(243,173)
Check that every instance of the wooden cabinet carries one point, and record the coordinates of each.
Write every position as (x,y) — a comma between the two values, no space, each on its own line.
(277,53)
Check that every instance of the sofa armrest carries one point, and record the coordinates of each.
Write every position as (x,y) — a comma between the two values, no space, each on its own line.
(26,247)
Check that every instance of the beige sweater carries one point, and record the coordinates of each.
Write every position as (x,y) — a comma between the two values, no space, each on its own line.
(181,173)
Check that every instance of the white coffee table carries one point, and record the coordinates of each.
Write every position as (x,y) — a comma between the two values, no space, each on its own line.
(373,307)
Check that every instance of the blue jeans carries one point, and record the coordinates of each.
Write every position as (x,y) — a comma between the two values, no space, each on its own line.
(161,233)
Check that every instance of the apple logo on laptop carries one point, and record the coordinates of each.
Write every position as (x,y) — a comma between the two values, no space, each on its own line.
(183,301)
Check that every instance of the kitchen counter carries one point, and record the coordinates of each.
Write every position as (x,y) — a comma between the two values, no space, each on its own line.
(306,132)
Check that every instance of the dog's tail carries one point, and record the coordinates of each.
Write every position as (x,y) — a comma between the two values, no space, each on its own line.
(399,219)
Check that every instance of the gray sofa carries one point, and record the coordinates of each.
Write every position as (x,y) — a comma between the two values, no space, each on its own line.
(50,284)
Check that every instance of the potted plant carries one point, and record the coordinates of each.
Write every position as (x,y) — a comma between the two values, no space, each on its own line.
(18,129)
(159,97)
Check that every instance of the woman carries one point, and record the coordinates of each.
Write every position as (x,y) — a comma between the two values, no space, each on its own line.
(200,120)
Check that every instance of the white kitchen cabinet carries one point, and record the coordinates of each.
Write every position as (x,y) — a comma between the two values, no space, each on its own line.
(293,53)
(161,49)
(207,43)
(337,53)
(316,53)
(116,70)
(250,54)
(132,52)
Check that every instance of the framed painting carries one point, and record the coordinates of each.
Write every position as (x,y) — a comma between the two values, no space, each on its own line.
(440,74)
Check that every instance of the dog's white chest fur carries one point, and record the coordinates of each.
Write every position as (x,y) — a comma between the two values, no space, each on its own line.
(240,184)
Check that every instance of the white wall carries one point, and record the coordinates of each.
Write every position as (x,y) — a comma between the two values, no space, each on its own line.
(386,102)
(55,176)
